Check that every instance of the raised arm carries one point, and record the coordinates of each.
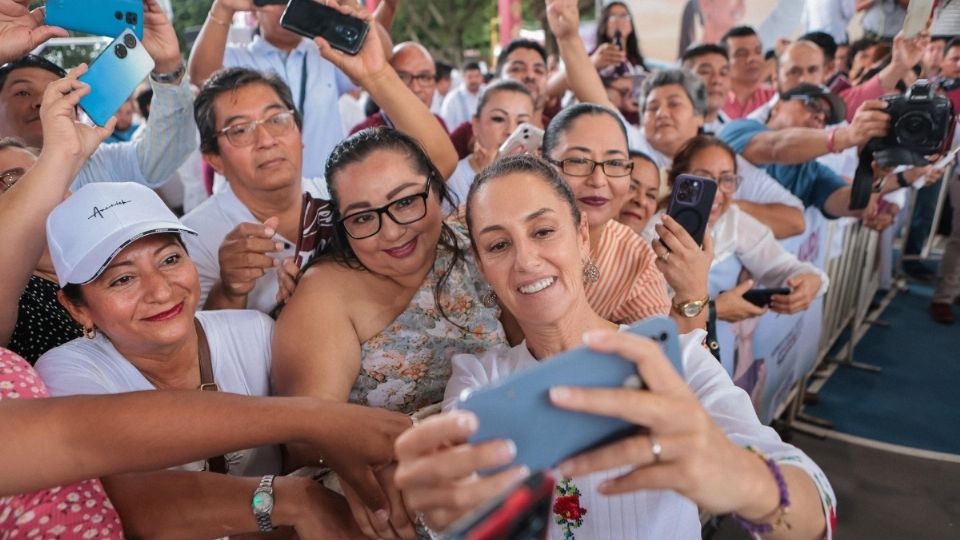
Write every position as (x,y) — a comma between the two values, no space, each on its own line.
(563,17)
(22,30)
(370,69)
(25,206)
(206,57)
(799,144)
(168,138)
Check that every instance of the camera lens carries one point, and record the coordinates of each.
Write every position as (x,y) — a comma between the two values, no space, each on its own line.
(346,32)
(131,17)
(120,51)
(913,128)
(118,15)
(129,41)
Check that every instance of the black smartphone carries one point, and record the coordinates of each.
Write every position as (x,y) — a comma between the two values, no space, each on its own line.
(269,2)
(691,203)
(310,19)
(523,513)
(764,297)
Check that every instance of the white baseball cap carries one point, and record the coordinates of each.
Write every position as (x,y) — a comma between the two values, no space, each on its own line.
(86,231)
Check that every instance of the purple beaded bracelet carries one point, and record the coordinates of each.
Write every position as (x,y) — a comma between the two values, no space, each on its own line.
(756,529)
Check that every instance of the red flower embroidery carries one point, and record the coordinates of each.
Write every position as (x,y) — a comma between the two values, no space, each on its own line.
(568,507)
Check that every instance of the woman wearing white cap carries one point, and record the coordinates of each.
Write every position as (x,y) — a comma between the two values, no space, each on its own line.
(128,280)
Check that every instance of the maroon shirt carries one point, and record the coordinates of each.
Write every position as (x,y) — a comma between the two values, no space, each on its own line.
(462,136)
(378,120)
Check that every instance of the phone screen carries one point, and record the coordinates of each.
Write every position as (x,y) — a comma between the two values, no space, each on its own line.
(918,13)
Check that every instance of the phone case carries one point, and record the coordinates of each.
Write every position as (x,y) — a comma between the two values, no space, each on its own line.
(762,297)
(521,513)
(310,19)
(518,407)
(99,17)
(526,139)
(691,203)
(114,75)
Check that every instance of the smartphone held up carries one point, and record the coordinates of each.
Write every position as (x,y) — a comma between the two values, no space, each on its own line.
(312,19)
(114,75)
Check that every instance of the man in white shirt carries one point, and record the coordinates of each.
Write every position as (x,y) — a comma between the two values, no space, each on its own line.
(295,59)
(155,152)
(460,104)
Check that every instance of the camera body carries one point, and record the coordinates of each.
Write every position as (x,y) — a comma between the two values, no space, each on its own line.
(921,123)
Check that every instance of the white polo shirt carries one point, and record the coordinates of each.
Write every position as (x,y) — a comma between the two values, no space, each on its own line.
(322,128)
(214,219)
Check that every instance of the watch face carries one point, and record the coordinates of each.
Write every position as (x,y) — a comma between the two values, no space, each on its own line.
(692,310)
(262,502)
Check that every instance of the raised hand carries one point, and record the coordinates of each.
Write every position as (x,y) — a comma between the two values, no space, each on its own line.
(22,30)
(687,267)
(370,61)
(563,17)
(160,39)
(64,137)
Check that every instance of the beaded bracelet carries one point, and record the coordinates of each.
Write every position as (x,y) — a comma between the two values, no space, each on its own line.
(756,529)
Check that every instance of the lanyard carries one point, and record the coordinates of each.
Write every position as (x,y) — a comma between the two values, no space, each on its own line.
(303,84)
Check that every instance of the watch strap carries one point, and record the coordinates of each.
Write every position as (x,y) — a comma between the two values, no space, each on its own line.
(172,77)
(712,344)
(902,180)
(264,518)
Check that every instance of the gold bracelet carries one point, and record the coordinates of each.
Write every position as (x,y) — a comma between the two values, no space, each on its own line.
(213,18)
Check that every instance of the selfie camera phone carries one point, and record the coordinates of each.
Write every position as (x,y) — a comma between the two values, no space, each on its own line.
(310,19)
(518,407)
(526,139)
(114,75)
(522,513)
(99,17)
(691,203)
(764,297)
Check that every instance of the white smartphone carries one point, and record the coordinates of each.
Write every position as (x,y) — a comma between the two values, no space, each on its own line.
(918,14)
(526,139)
(944,161)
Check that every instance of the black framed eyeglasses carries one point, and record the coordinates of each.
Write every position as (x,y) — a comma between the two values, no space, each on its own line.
(9,177)
(245,134)
(403,211)
(585,166)
(425,78)
(812,104)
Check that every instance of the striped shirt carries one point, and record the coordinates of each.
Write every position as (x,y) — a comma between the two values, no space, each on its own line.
(631,287)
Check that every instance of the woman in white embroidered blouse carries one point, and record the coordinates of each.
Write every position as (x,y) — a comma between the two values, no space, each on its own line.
(532,245)
(738,234)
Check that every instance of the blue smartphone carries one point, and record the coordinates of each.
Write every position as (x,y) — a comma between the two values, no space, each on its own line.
(518,407)
(99,17)
(114,75)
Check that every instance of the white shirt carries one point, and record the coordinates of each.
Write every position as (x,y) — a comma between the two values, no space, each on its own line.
(240,356)
(830,16)
(459,106)
(715,126)
(322,128)
(756,185)
(648,514)
(460,181)
(738,234)
(351,111)
(156,150)
(213,220)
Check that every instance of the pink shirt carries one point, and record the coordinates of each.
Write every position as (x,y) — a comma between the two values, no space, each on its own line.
(855,96)
(80,510)
(760,96)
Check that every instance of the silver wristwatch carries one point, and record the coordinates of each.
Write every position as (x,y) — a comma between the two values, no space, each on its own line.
(170,78)
(262,503)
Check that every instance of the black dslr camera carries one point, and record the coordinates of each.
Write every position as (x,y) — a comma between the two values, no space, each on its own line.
(921,124)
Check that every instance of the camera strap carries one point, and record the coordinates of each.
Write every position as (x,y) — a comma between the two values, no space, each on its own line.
(862,181)
(303,85)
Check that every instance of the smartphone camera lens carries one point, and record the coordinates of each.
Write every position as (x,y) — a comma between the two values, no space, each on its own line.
(130,41)
(120,51)
(131,17)
(346,32)
(663,336)
(118,15)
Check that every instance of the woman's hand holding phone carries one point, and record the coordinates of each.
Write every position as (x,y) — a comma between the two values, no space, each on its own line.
(370,62)
(684,264)
(67,140)
(804,290)
(731,307)
(437,471)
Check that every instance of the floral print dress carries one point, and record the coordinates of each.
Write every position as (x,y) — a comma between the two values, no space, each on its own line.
(406,366)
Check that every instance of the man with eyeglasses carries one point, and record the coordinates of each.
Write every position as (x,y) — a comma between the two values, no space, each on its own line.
(416,68)
(787,146)
(251,133)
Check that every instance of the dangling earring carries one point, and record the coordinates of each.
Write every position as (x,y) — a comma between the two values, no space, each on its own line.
(90,333)
(591,274)
(489,299)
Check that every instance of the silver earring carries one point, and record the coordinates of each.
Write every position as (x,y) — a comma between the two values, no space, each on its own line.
(591,274)
(90,333)
(489,299)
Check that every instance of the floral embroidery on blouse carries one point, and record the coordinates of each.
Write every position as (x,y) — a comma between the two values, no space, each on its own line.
(406,366)
(567,512)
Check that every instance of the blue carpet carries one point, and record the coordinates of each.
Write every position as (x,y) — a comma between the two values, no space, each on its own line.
(915,401)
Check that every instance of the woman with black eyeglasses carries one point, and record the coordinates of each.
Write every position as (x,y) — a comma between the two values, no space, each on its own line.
(377,319)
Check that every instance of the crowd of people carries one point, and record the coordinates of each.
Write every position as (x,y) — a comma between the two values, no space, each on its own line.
(445,265)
